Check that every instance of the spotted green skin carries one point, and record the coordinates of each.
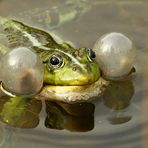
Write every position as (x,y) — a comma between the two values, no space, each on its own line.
(77,67)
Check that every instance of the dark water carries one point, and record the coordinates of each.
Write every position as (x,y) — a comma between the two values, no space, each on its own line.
(109,122)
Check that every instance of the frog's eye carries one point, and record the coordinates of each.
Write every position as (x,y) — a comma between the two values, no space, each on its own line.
(91,54)
(55,61)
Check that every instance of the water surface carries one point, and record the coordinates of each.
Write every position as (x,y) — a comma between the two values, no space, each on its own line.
(109,124)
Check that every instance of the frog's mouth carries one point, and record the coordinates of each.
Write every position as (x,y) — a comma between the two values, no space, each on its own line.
(72,94)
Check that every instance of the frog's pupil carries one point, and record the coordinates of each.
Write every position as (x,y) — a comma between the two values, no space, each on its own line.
(54,61)
(92,54)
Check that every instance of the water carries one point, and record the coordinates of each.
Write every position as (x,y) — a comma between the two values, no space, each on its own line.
(110,124)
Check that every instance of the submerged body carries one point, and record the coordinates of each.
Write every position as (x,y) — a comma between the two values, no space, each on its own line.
(69,74)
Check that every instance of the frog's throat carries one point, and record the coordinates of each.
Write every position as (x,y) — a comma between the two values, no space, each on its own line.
(72,94)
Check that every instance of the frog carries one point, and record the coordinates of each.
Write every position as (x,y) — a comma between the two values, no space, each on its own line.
(70,74)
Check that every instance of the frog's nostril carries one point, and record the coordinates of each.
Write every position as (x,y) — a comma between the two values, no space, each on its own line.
(76,68)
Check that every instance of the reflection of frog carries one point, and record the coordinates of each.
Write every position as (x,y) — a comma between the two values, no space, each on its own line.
(24,113)
(50,17)
(73,117)
(20,112)
(117,97)
(67,71)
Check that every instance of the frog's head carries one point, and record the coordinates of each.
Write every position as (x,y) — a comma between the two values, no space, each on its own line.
(74,67)
(70,74)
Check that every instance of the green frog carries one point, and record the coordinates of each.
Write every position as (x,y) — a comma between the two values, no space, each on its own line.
(70,74)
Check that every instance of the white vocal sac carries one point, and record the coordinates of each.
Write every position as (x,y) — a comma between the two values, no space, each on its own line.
(22,71)
(115,55)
